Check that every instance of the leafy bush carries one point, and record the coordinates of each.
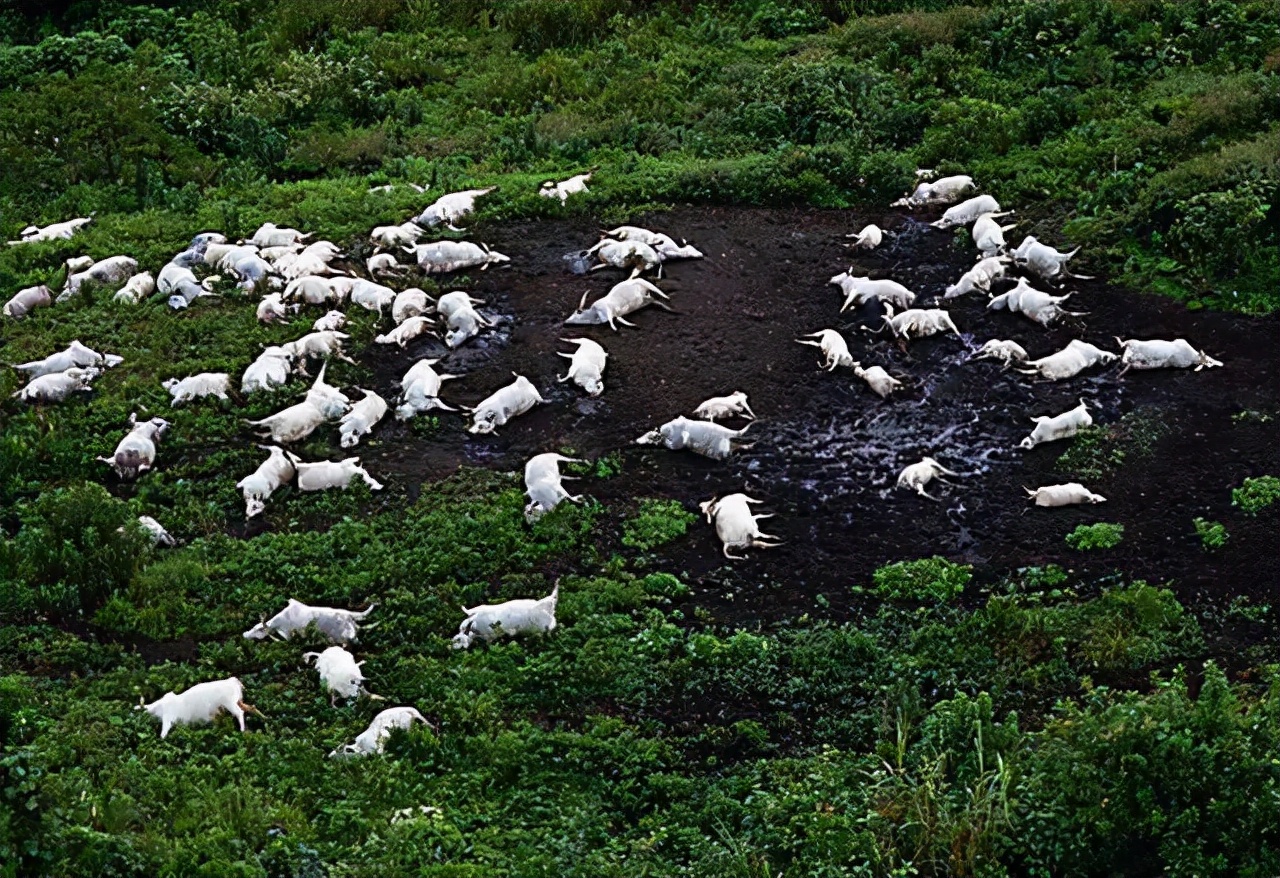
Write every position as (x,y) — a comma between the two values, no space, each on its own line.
(1256,494)
(657,522)
(1213,535)
(927,580)
(1103,535)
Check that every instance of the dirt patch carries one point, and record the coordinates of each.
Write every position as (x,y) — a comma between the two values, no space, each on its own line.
(826,450)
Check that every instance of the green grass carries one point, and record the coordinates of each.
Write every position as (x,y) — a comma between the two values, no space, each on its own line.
(1256,494)
(1102,535)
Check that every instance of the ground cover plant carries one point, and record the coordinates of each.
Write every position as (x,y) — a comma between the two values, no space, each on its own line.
(1015,706)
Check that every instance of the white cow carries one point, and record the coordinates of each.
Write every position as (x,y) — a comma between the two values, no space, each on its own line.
(562,190)
(1062,426)
(420,390)
(318,344)
(76,354)
(271,235)
(869,238)
(362,418)
(613,307)
(272,309)
(371,296)
(920,474)
(339,673)
(833,346)
(314,290)
(725,407)
(967,211)
(523,616)
(114,269)
(323,475)
(409,303)
(701,437)
(442,257)
(338,626)
(159,536)
(374,738)
(664,245)
(504,404)
(449,303)
(736,526)
(292,424)
(1063,495)
(463,324)
(859,290)
(1044,260)
(52,232)
(586,365)
(1007,352)
(200,704)
(271,369)
(879,380)
(988,235)
(1068,362)
(543,484)
(451,208)
(197,386)
(57,386)
(332,321)
(1041,307)
(26,301)
(920,323)
(329,400)
(406,332)
(941,191)
(1160,354)
(980,277)
(136,452)
(635,255)
(402,235)
(383,265)
(258,486)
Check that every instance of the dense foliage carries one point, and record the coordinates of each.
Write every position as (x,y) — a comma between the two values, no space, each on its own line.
(958,723)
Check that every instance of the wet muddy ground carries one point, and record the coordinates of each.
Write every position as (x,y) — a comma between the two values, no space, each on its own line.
(826,450)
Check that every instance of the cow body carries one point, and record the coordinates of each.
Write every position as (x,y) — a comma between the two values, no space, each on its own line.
(1160,354)
(967,212)
(339,626)
(623,299)
(522,616)
(362,418)
(199,704)
(736,525)
(136,452)
(26,301)
(586,365)
(258,486)
(504,404)
(197,386)
(1068,362)
(701,437)
(1062,426)
(1063,495)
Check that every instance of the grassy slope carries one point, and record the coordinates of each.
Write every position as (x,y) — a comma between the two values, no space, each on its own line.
(629,743)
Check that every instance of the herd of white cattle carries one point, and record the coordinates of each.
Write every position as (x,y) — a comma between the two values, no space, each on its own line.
(290,273)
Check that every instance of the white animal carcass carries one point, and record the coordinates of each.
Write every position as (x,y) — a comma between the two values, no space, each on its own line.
(374,738)
(271,235)
(988,235)
(272,309)
(1160,354)
(313,290)
(562,190)
(463,324)
(586,365)
(622,299)
(114,269)
(451,208)
(57,386)
(869,238)
(371,296)
(200,704)
(52,232)
(1062,426)
(442,257)
(76,355)
(523,616)
(1007,352)
(944,190)
(1063,495)
(920,474)
(420,390)
(736,525)
(504,404)
(383,264)
(1043,260)
(701,437)
(725,407)
(136,452)
(292,424)
(326,343)
(879,380)
(664,245)
(834,348)
(26,301)
(362,418)
(271,369)
(1039,306)
(339,626)
(197,386)
(406,332)
(635,255)
(339,673)
(409,303)
(859,290)
(967,211)
(1068,362)
(450,303)
(323,475)
(332,321)
(159,536)
(258,486)
(402,235)
(920,323)
(543,484)
(980,277)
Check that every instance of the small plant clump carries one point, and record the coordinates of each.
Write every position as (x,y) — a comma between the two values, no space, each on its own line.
(658,522)
(1103,535)
(928,580)
(1256,494)
(1212,533)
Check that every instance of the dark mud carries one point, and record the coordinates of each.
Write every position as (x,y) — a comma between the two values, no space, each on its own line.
(826,450)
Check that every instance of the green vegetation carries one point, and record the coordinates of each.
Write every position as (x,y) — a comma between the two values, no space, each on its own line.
(1099,450)
(1103,535)
(658,522)
(928,580)
(1256,494)
(1213,534)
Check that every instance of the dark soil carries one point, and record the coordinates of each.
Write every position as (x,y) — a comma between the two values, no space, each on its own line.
(826,450)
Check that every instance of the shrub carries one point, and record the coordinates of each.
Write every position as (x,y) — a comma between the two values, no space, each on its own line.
(1212,533)
(658,522)
(928,580)
(1103,535)
(1256,494)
